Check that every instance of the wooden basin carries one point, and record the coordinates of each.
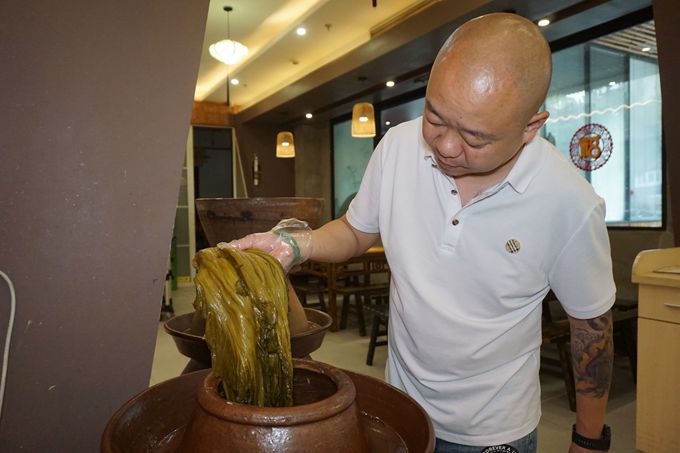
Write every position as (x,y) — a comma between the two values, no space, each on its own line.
(187,333)
(224,219)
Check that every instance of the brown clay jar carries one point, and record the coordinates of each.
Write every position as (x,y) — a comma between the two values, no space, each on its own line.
(324,417)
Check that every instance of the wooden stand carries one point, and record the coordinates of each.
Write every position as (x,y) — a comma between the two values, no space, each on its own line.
(658,384)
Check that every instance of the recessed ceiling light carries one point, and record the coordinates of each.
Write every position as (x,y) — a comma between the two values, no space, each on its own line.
(308,115)
(544,22)
(235,81)
(390,83)
(301,31)
(387,123)
(646,49)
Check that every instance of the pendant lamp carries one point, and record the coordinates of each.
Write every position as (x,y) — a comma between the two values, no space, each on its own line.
(228,51)
(363,120)
(285,146)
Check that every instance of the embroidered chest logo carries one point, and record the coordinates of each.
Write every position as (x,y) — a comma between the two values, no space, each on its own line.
(512,246)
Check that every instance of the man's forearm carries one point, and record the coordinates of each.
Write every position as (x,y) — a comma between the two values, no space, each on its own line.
(337,241)
(592,349)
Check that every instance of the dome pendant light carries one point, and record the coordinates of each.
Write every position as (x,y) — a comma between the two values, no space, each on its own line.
(228,51)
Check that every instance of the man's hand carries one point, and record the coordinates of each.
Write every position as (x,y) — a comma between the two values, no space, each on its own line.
(290,242)
(271,243)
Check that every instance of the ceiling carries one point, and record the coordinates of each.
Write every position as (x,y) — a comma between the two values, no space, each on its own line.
(351,48)
(278,56)
(634,40)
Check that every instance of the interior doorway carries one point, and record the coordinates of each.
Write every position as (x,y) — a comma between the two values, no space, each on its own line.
(213,169)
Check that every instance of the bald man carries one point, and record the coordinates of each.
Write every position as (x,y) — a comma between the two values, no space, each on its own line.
(480,217)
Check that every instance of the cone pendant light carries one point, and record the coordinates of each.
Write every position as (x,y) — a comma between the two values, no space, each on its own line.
(363,120)
(285,146)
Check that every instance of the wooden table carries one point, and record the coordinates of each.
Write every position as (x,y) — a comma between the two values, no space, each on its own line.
(371,262)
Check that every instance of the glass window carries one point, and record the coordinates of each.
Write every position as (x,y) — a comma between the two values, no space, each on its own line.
(613,81)
(350,158)
(351,155)
(406,111)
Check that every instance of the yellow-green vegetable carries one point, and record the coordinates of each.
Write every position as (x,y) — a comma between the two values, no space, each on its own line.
(243,297)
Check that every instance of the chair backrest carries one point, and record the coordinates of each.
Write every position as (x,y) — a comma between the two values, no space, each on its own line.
(367,269)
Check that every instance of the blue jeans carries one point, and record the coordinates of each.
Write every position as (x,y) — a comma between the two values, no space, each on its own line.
(526,444)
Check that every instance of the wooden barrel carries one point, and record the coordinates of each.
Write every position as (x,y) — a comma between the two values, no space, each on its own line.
(224,219)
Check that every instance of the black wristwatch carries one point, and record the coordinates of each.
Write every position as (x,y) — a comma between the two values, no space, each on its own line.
(602,444)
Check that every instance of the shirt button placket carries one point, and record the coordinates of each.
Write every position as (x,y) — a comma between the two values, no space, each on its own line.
(455,222)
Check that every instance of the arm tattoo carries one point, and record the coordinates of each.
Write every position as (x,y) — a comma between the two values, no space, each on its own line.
(592,350)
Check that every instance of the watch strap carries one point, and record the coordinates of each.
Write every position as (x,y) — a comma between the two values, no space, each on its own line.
(601,444)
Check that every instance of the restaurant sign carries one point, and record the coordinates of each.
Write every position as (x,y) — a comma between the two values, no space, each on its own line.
(590,147)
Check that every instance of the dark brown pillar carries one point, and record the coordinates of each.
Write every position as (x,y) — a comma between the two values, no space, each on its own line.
(667,18)
(277,175)
(96,102)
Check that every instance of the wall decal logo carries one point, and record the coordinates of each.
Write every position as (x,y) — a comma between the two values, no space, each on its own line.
(591,146)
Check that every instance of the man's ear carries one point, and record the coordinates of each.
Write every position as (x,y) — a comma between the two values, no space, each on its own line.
(534,124)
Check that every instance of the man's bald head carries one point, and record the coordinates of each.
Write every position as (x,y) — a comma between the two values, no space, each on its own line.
(499,56)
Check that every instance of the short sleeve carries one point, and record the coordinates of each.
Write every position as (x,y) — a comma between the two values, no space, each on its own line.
(363,213)
(582,277)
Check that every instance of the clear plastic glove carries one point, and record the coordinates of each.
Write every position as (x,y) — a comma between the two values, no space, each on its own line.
(290,242)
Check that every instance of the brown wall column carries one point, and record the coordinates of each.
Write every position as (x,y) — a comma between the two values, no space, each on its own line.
(313,163)
(97,99)
(277,176)
(667,18)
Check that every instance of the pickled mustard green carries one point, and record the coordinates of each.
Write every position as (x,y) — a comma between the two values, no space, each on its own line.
(243,297)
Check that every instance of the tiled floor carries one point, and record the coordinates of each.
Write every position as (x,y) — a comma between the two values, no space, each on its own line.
(346,349)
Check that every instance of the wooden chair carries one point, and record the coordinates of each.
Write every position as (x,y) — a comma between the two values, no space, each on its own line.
(381,314)
(369,281)
(310,280)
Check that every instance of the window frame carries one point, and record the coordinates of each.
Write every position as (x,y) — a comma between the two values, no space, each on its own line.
(590,34)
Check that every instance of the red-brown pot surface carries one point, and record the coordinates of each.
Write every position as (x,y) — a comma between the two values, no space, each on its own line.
(156,420)
(324,417)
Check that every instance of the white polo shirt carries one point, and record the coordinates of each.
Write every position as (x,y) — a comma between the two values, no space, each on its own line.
(467,282)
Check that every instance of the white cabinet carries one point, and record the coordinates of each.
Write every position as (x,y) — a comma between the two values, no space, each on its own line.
(657,272)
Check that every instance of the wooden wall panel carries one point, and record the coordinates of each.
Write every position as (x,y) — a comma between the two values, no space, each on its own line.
(96,108)
(277,176)
(667,18)
(211,114)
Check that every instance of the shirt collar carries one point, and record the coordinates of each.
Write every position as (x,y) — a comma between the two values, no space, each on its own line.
(527,166)
(425,149)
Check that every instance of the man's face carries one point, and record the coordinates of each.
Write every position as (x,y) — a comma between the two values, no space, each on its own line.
(472,126)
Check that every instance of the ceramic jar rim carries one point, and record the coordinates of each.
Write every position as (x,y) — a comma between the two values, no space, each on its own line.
(210,401)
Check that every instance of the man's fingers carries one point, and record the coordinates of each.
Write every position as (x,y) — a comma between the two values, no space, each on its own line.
(268,242)
(245,242)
